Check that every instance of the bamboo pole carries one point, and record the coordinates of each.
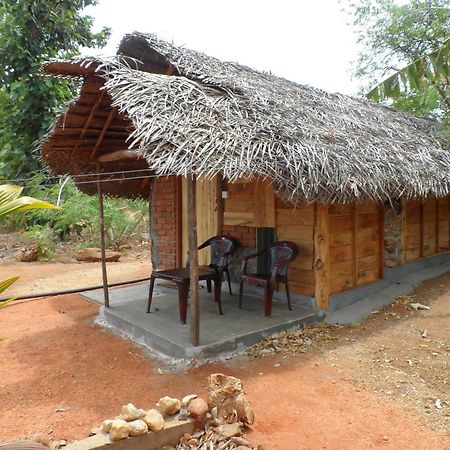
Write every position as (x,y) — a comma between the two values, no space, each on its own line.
(193,267)
(102,237)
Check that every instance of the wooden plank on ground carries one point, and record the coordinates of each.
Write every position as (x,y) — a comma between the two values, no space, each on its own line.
(170,435)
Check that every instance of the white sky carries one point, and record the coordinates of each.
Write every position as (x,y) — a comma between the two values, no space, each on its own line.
(307,41)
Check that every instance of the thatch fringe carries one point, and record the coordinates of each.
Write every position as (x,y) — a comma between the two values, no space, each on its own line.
(222,118)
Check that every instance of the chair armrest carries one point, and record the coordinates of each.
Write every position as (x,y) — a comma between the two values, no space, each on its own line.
(273,276)
(246,258)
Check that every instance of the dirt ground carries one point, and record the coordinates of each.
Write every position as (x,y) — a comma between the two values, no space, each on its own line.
(382,384)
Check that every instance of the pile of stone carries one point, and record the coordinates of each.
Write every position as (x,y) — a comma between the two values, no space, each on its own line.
(134,421)
(224,418)
(221,419)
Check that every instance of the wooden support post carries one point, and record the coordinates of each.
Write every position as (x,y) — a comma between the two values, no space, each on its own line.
(102,237)
(194,304)
(219,204)
(321,259)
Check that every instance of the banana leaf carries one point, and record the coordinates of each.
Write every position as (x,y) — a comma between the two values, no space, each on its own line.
(5,284)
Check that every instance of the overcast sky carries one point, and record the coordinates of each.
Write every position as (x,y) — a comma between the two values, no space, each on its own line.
(307,41)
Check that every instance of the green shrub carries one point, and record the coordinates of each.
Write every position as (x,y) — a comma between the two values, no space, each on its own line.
(43,237)
(78,217)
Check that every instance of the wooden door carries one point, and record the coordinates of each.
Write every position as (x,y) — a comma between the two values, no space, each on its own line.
(206,217)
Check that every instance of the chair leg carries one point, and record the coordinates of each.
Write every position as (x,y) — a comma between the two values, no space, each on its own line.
(241,288)
(208,286)
(229,281)
(288,296)
(150,293)
(268,300)
(217,293)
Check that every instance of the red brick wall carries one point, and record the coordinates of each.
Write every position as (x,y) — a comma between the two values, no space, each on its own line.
(164,223)
(245,235)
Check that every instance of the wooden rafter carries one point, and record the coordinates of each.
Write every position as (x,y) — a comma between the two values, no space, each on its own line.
(91,114)
(104,129)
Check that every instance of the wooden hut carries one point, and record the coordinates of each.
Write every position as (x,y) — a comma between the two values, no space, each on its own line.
(358,186)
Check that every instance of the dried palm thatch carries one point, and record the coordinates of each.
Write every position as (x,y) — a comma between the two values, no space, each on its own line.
(193,114)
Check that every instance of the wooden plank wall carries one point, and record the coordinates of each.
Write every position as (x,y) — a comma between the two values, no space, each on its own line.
(426,227)
(297,225)
(240,204)
(253,204)
(356,238)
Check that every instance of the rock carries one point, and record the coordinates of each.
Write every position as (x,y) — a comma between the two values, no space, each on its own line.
(227,395)
(106,425)
(56,445)
(95,255)
(130,412)
(187,399)
(183,414)
(154,420)
(137,427)
(119,430)
(27,254)
(198,409)
(229,430)
(168,405)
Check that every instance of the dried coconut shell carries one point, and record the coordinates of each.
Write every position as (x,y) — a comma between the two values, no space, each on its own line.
(227,395)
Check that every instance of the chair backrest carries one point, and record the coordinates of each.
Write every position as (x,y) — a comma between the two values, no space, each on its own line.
(282,251)
(221,248)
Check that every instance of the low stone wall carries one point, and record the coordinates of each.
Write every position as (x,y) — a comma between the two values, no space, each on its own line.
(392,237)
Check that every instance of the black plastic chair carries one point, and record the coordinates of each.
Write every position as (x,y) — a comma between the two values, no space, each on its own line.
(222,247)
(281,254)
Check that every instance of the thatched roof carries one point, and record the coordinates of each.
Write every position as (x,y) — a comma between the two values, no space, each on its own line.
(191,113)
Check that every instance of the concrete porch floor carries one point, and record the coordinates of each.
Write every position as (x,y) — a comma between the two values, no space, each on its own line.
(220,336)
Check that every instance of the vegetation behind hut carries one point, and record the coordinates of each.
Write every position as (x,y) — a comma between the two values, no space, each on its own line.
(395,38)
(77,222)
(31,32)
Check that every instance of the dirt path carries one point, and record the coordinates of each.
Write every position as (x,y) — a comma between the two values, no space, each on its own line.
(60,375)
(38,277)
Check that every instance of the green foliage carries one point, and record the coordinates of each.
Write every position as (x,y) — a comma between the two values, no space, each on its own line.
(11,201)
(404,55)
(78,217)
(5,284)
(32,32)
(43,237)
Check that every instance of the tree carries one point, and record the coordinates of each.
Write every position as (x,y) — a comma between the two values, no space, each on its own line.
(404,53)
(32,32)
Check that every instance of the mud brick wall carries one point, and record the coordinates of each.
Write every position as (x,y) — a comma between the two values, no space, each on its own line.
(392,237)
(164,223)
